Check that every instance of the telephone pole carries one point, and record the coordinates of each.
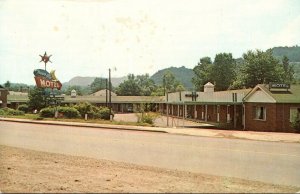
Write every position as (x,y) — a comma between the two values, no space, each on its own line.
(109,85)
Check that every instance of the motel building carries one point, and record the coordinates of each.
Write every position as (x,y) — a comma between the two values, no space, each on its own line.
(223,108)
(263,108)
(266,107)
(272,108)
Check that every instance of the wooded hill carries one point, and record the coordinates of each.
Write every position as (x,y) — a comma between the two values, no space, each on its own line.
(293,53)
(182,74)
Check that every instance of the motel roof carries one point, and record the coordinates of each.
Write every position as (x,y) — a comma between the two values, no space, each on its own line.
(116,99)
(23,97)
(291,95)
(217,98)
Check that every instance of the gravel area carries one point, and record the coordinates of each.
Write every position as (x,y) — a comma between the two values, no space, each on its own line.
(23,170)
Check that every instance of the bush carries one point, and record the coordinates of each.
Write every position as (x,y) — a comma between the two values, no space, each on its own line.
(92,111)
(48,112)
(10,112)
(104,113)
(296,124)
(84,108)
(147,117)
(69,112)
(23,107)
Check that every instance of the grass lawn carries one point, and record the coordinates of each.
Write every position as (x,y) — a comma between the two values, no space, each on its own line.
(99,121)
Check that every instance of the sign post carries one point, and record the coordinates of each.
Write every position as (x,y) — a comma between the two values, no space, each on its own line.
(46,80)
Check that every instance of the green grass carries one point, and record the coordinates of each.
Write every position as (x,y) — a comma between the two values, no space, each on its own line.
(97,121)
(26,116)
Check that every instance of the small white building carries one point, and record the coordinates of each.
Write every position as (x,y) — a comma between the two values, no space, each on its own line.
(73,93)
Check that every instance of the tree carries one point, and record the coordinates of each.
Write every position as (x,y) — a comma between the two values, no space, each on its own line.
(36,99)
(180,88)
(169,82)
(129,87)
(7,85)
(260,68)
(98,84)
(203,72)
(288,70)
(223,72)
(146,84)
(159,91)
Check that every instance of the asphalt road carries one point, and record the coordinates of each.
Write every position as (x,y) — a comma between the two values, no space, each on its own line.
(271,162)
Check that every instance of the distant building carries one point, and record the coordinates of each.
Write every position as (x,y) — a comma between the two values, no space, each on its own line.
(3,97)
(73,93)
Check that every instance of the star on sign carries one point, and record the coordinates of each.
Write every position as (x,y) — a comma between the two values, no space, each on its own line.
(45,58)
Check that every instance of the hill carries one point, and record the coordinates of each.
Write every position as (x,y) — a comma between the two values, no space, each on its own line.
(182,74)
(85,81)
(293,53)
(80,81)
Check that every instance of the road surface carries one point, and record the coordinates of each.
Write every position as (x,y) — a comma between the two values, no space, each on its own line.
(270,162)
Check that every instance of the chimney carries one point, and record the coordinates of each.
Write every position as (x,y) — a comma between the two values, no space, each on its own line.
(209,88)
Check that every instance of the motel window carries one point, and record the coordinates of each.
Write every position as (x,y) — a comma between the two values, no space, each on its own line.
(294,113)
(260,113)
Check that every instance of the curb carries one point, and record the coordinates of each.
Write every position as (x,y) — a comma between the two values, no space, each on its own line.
(89,125)
(133,128)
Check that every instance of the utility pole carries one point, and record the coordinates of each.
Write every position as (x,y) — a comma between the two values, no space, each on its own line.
(106,93)
(109,93)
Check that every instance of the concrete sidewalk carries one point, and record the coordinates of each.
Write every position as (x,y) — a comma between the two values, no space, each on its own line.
(249,135)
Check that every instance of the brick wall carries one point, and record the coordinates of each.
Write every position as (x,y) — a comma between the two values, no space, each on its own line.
(277,117)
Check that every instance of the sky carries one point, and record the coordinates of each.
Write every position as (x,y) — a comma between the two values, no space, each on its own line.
(86,38)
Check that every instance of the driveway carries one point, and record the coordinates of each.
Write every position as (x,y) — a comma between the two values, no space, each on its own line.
(161,121)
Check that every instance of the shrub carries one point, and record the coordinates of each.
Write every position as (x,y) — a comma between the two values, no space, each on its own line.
(84,108)
(69,112)
(104,113)
(23,107)
(47,112)
(10,112)
(92,111)
(296,124)
(147,117)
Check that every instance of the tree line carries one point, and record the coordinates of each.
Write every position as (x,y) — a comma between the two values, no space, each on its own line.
(225,72)
(255,67)
(141,85)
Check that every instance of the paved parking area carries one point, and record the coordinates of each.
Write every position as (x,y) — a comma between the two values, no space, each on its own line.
(161,121)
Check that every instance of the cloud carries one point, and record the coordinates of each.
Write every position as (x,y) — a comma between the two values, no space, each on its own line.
(136,36)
